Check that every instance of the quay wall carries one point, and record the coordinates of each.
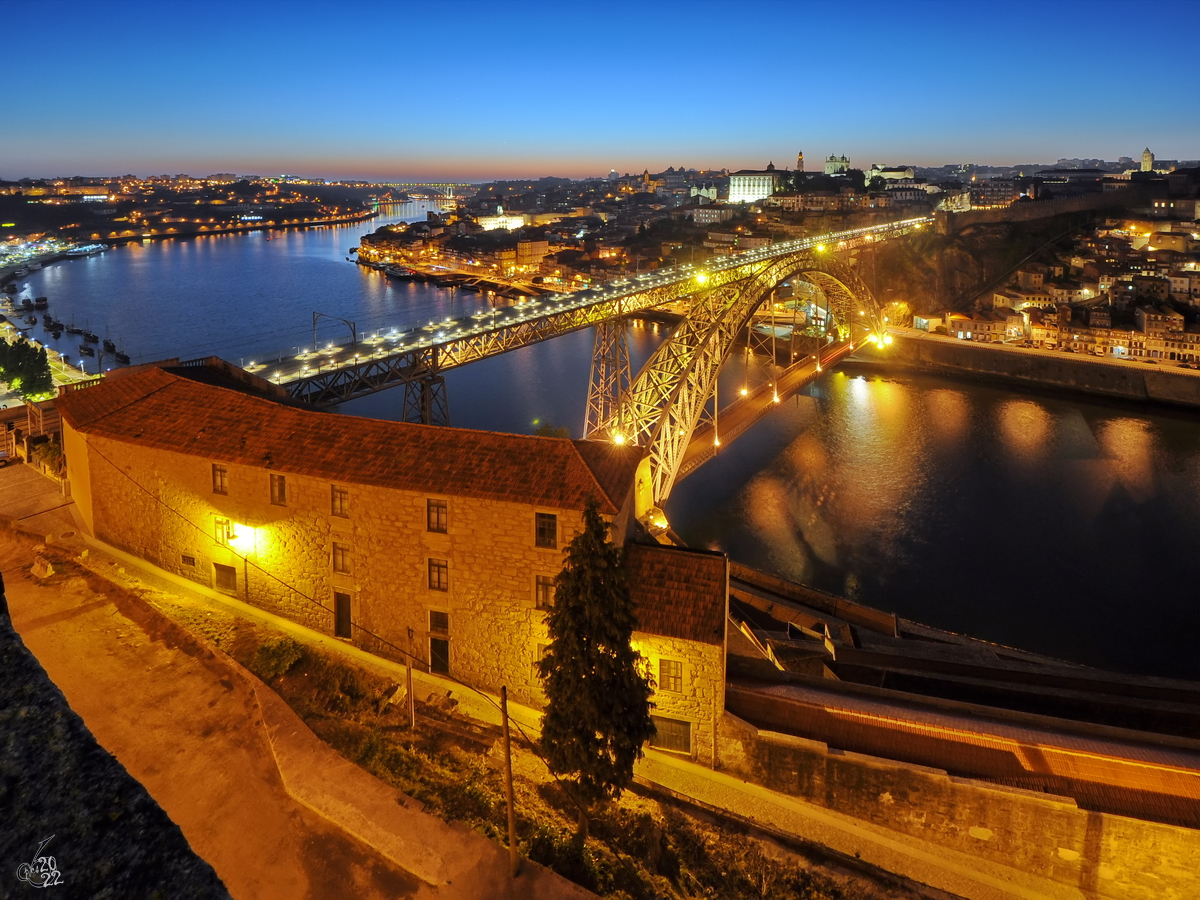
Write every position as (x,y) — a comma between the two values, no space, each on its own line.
(1114,379)
(1099,854)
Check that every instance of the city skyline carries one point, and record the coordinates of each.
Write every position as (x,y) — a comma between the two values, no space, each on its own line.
(524,90)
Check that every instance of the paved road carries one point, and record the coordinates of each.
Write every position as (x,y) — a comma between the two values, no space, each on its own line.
(25,492)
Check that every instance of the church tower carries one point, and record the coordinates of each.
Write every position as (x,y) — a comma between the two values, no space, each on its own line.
(1147,160)
(800,161)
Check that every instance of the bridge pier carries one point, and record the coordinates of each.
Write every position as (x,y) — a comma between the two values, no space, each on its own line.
(426,401)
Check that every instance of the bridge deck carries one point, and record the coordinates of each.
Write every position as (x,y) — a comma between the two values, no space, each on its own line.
(402,355)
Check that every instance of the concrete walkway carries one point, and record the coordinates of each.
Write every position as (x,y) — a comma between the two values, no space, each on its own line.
(271,807)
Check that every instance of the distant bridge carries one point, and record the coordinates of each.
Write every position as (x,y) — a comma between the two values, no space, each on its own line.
(447,189)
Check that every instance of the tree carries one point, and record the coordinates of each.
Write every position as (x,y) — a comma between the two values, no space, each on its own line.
(598,701)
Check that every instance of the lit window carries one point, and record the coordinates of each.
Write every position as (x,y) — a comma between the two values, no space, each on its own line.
(437,516)
(222,531)
(439,575)
(341,558)
(544,591)
(220,479)
(546,525)
(278,490)
(672,734)
(339,503)
(670,675)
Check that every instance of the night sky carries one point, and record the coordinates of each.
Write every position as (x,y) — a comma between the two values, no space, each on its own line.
(471,91)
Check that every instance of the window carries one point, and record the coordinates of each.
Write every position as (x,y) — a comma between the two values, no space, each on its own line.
(341,558)
(339,503)
(544,592)
(222,531)
(220,479)
(187,560)
(439,575)
(439,621)
(341,615)
(439,656)
(226,577)
(546,530)
(279,490)
(437,516)
(672,734)
(670,675)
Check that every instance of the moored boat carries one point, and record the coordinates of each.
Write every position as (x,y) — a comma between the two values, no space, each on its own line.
(41,302)
(91,338)
(87,349)
(109,346)
(122,358)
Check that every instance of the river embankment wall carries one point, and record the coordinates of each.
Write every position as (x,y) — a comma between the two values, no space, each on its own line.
(1113,379)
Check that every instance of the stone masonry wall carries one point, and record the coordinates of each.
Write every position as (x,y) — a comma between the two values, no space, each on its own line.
(160,505)
(1103,855)
(702,699)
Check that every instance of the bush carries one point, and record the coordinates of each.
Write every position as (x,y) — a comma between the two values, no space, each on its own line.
(274,658)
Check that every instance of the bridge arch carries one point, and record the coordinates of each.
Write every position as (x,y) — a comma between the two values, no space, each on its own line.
(663,405)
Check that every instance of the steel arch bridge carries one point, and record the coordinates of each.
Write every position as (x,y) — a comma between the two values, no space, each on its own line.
(661,408)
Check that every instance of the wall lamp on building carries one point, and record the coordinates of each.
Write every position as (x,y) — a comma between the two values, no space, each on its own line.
(242,538)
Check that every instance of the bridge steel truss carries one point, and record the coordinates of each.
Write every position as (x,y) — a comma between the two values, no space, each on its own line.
(667,400)
(419,368)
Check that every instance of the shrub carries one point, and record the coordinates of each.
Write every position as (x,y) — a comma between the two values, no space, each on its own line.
(274,658)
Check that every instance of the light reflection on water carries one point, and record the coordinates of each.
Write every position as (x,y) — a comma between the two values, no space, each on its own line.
(1057,526)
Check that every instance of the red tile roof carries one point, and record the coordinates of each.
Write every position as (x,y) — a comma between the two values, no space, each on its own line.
(156,408)
(679,593)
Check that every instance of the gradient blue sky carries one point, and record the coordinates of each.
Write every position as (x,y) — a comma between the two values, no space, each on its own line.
(477,90)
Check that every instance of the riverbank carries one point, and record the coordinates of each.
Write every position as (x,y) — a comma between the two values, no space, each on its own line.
(1119,379)
(241,228)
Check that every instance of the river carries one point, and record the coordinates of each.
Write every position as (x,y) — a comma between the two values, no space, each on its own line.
(1060,526)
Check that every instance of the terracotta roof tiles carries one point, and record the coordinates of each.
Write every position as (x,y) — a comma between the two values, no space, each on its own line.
(679,593)
(159,409)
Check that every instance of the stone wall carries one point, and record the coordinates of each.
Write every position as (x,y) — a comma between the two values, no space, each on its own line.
(1103,855)
(950,222)
(494,627)
(1122,380)
(160,506)
(702,700)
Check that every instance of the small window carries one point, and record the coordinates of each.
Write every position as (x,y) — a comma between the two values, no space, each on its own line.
(341,615)
(672,734)
(279,490)
(188,560)
(547,530)
(226,577)
(222,531)
(439,621)
(439,656)
(341,558)
(437,516)
(670,676)
(339,503)
(439,575)
(544,592)
(220,476)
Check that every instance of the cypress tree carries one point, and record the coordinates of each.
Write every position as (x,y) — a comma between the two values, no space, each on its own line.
(598,701)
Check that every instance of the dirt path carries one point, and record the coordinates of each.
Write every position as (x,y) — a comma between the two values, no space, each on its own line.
(190,733)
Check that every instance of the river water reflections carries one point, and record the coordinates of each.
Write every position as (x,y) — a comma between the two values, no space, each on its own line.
(1058,526)
(1055,525)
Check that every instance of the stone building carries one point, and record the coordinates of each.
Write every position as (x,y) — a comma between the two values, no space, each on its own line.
(441,542)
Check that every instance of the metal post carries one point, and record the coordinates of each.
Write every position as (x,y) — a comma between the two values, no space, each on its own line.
(412,706)
(514,861)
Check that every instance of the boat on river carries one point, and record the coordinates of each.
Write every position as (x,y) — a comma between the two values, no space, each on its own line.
(109,346)
(41,302)
(121,357)
(87,349)
(71,329)
(91,338)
